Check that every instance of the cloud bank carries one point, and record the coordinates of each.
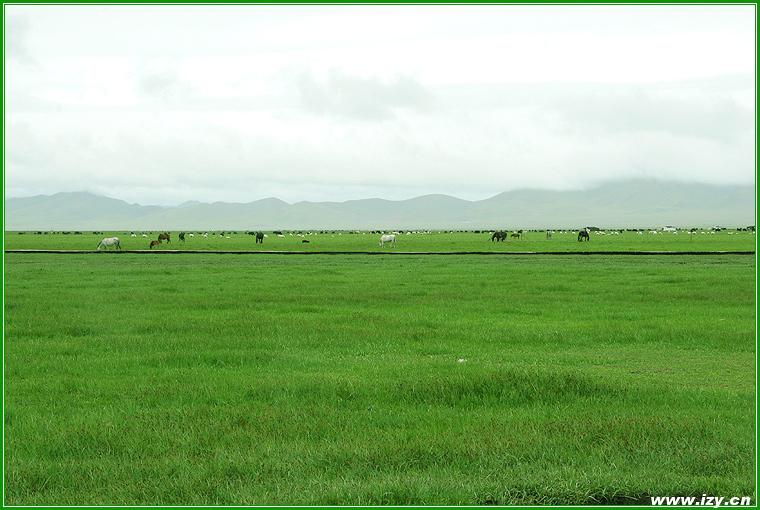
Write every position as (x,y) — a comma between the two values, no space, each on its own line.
(161,104)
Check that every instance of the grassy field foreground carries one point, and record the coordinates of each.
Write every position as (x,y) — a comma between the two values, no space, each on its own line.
(365,380)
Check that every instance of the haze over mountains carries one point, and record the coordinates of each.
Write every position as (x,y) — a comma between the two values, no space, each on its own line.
(638,203)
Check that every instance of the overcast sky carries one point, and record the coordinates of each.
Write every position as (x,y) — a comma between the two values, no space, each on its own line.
(163,104)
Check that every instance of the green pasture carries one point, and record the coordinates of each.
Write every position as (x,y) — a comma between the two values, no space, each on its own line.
(561,241)
(222,379)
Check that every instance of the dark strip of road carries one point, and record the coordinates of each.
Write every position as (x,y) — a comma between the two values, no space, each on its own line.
(264,252)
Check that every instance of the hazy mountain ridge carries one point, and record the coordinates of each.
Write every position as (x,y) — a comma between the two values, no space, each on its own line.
(622,204)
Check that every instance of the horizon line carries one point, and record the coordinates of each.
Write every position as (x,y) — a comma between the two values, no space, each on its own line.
(199,202)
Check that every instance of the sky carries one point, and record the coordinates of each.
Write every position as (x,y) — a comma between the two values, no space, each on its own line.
(167,104)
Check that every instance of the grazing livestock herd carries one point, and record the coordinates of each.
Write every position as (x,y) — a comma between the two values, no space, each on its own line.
(584,234)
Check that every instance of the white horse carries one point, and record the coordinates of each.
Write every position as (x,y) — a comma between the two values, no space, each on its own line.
(110,241)
(388,238)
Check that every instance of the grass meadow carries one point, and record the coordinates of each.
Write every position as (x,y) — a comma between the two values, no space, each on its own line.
(561,241)
(220,379)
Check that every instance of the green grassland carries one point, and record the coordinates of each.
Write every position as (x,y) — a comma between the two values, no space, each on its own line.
(378,380)
(726,240)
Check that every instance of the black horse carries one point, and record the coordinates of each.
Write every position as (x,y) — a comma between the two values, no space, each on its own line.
(583,236)
(259,237)
(499,235)
(182,236)
(516,235)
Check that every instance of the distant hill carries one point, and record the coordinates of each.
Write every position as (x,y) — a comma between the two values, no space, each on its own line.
(638,203)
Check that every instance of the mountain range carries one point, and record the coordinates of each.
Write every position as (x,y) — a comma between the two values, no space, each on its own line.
(636,203)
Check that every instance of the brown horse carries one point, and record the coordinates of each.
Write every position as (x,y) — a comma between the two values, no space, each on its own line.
(154,243)
(164,237)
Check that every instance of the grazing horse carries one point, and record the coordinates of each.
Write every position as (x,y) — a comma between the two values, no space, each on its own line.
(583,236)
(154,243)
(110,241)
(499,235)
(516,234)
(182,236)
(259,237)
(388,238)
(164,237)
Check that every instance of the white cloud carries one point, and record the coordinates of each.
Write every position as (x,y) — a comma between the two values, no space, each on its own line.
(16,40)
(164,104)
(362,98)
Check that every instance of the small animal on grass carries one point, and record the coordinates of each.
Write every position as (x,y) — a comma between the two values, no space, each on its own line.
(548,234)
(182,236)
(259,237)
(164,236)
(109,241)
(516,235)
(304,240)
(583,235)
(499,235)
(388,238)
(154,243)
